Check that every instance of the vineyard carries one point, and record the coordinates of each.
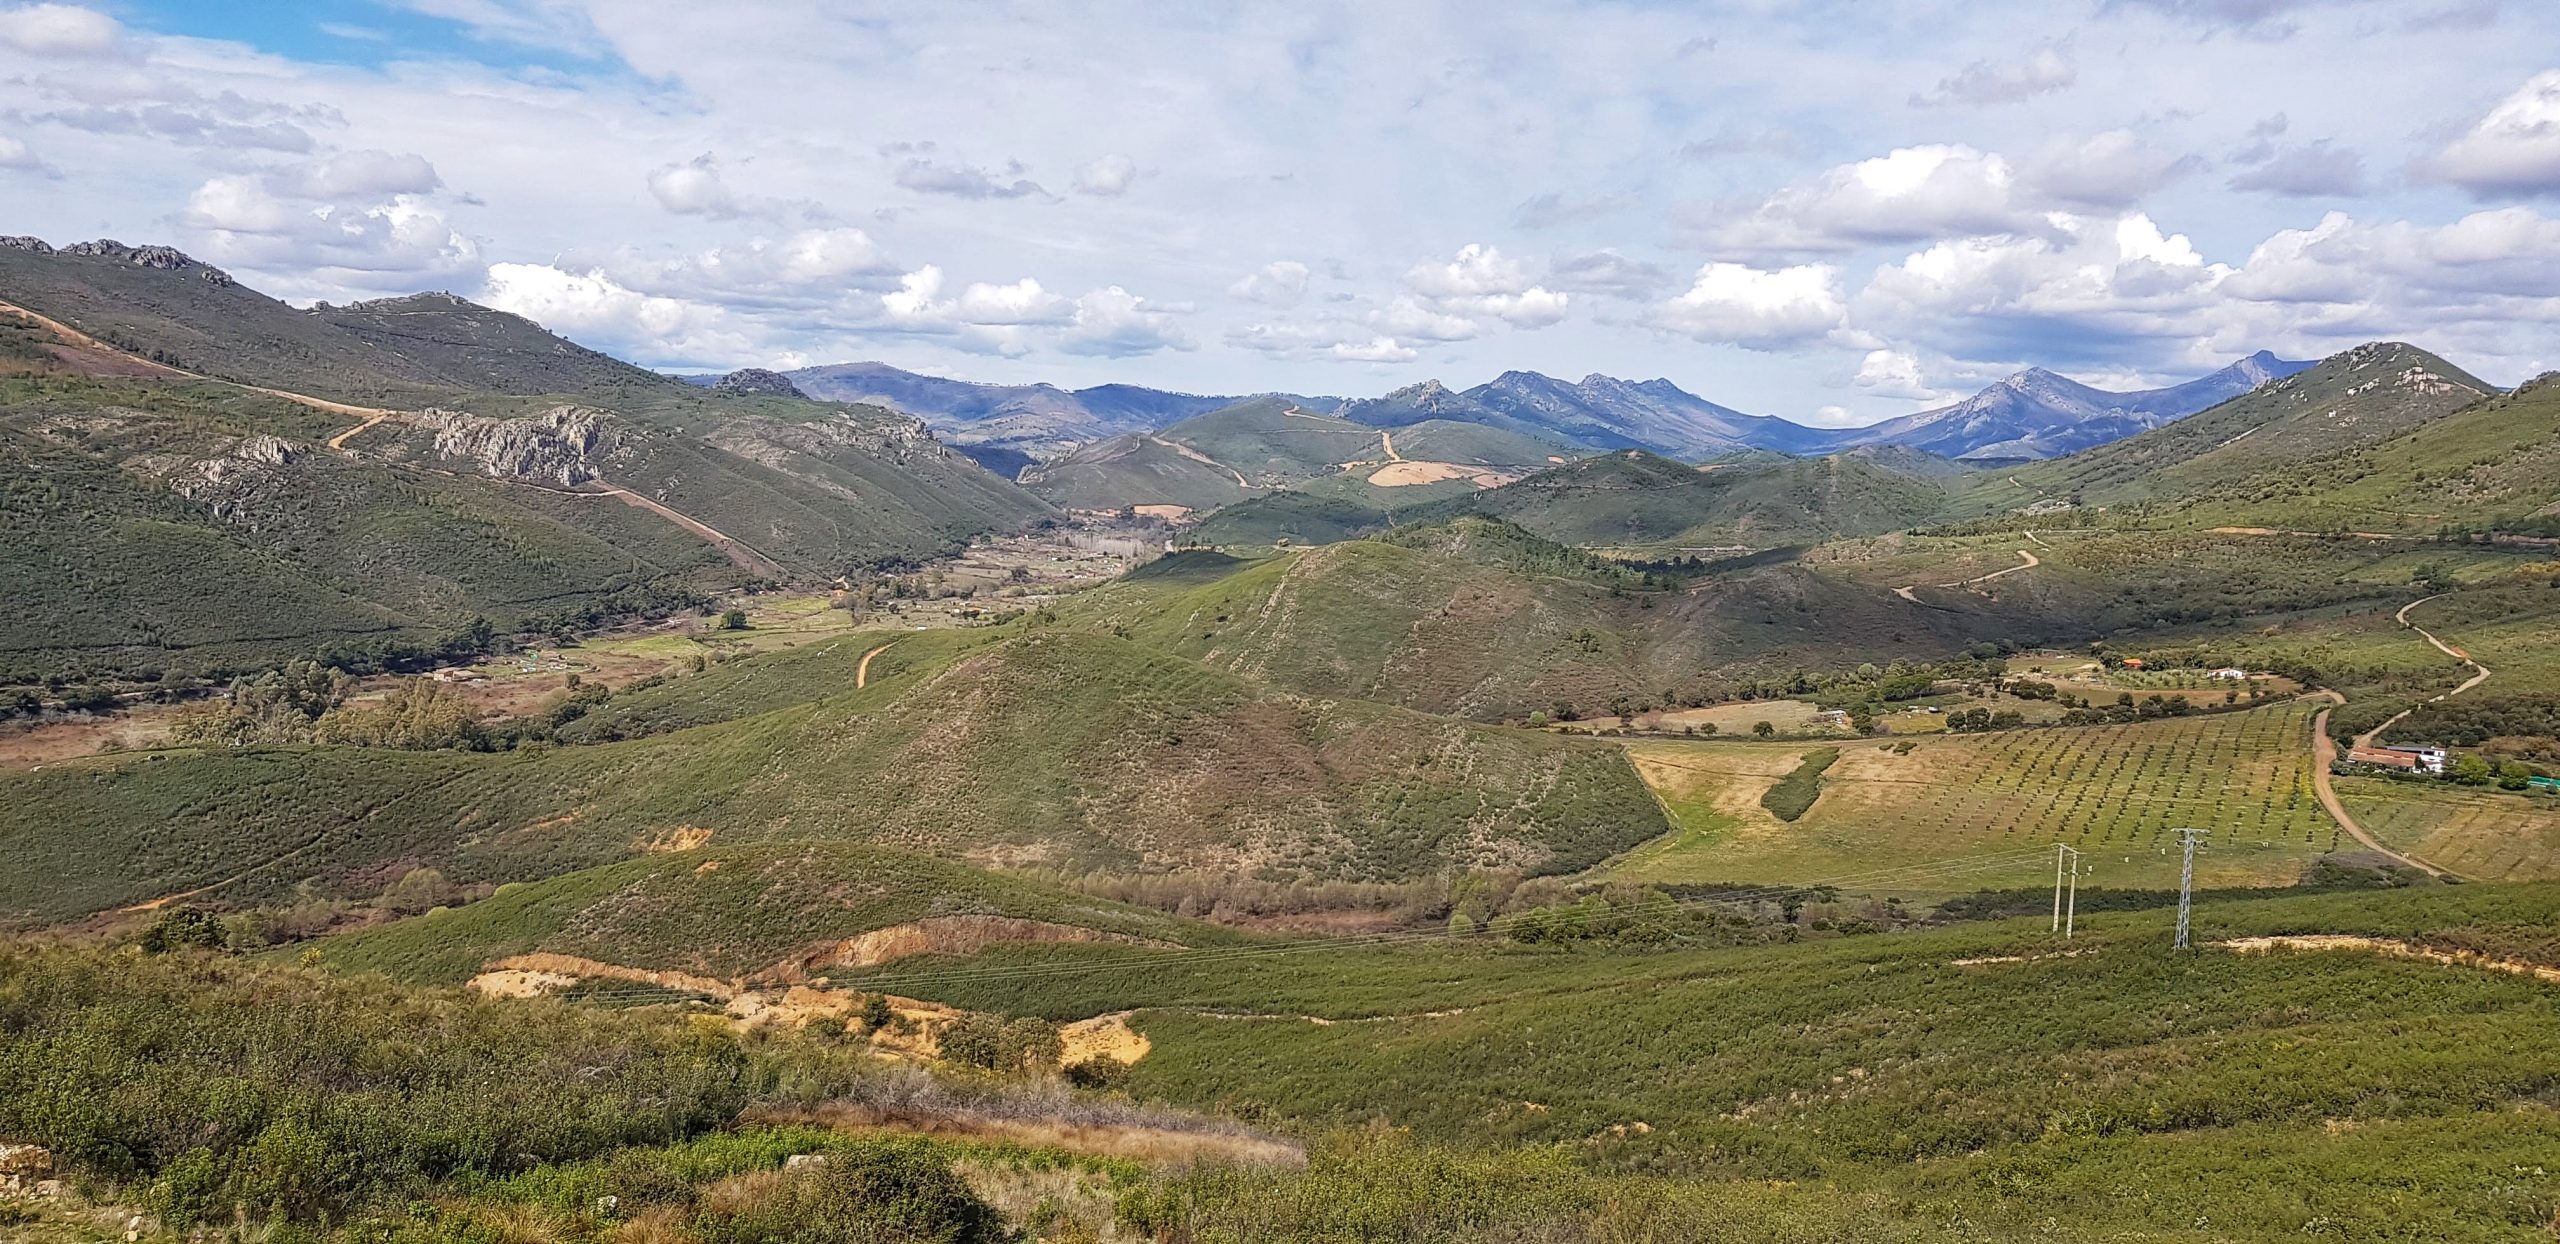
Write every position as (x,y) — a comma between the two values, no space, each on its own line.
(2112,791)
(2481,835)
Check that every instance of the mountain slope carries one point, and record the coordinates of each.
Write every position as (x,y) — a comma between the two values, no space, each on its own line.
(513,475)
(2287,450)
(1634,498)
(2037,414)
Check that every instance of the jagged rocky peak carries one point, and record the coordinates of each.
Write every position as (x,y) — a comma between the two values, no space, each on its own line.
(759,382)
(165,258)
(22,242)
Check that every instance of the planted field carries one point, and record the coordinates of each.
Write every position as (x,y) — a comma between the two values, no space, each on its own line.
(2482,835)
(2113,791)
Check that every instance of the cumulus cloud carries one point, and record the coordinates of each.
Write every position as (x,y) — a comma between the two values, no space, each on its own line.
(693,188)
(1760,309)
(1108,177)
(60,30)
(245,221)
(1450,300)
(2513,151)
(1278,284)
(2044,71)
(1908,195)
(1894,373)
(920,170)
(592,307)
(2092,285)
(1115,323)
(2307,170)
(808,270)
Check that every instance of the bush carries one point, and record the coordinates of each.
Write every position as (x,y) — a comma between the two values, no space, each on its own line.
(1794,794)
(875,1192)
(995,1043)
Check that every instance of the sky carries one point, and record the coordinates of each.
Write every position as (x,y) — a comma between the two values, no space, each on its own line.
(1830,211)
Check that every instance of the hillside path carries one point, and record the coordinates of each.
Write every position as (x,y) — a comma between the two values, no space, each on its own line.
(2479,676)
(2324,753)
(862,672)
(735,550)
(1197,456)
(2029,562)
(1387,440)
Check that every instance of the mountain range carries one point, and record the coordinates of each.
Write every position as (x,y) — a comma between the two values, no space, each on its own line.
(2035,414)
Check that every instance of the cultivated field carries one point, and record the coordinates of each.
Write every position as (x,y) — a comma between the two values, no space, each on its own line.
(2482,835)
(2112,791)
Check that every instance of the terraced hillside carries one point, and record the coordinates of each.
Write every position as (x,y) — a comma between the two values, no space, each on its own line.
(1051,746)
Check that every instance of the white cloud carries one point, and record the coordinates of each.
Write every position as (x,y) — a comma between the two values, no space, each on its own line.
(385,245)
(1108,177)
(1760,309)
(693,188)
(1894,373)
(1374,350)
(1910,194)
(1477,270)
(1278,284)
(2093,283)
(60,30)
(594,309)
(1452,299)
(1115,323)
(1414,317)
(2044,71)
(2515,149)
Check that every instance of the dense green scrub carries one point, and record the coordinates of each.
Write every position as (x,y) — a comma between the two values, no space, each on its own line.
(1794,794)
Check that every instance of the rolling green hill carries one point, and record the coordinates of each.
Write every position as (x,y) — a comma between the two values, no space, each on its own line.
(1072,749)
(732,912)
(160,524)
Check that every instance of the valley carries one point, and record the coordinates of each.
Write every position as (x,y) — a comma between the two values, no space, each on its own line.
(1448,815)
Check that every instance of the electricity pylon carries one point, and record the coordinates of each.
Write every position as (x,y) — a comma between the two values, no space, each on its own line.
(2064,911)
(2186,876)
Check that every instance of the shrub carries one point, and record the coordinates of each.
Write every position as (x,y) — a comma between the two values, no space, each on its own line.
(995,1043)
(875,1192)
(1794,794)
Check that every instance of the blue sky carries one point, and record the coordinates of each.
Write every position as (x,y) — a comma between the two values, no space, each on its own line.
(1834,212)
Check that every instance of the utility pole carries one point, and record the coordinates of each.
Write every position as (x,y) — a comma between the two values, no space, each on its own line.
(2186,877)
(2061,914)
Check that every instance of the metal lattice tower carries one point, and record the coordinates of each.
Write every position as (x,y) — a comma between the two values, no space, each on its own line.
(2186,877)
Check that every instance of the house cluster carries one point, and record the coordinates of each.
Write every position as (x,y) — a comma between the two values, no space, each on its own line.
(2406,759)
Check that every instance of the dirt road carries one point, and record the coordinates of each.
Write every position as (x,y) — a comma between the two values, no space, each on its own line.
(1387,441)
(2324,753)
(862,672)
(2029,561)
(1197,456)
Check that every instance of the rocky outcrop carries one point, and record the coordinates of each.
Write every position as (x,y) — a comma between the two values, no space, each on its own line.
(893,438)
(166,258)
(21,242)
(758,382)
(563,444)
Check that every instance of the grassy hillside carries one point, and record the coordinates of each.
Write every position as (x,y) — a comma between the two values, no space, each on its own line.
(195,526)
(2385,437)
(2119,1091)
(729,913)
(1069,749)
(1135,469)
(1636,499)
(1480,619)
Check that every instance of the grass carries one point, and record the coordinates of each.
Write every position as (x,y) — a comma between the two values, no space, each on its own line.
(2484,835)
(2113,791)
(1051,747)
(2124,1091)
(727,912)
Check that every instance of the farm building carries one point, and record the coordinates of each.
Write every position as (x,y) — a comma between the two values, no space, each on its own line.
(2231,672)
(2412,759)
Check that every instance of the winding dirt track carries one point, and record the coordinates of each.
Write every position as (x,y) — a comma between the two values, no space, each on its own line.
(2030,562)
(862,672)
(2324,751)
